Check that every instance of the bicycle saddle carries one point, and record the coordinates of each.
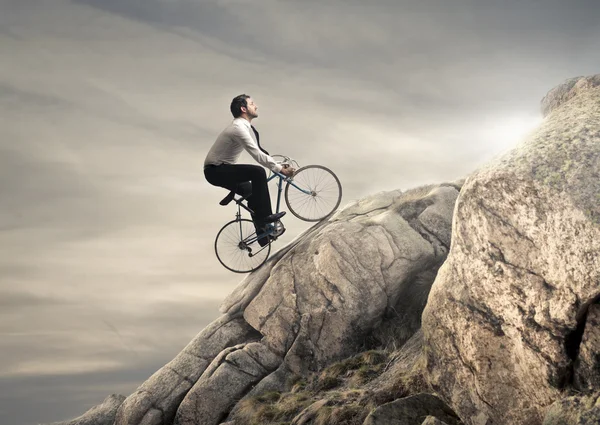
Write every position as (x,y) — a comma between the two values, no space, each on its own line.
(242,189)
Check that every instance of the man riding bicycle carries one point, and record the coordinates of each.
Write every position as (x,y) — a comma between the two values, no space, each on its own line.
(220,168)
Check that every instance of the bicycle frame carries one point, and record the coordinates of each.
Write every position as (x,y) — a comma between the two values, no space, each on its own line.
(253,237)
(311,182)
(283,178)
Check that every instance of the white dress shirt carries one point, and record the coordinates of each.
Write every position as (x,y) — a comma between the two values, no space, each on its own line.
(230,143)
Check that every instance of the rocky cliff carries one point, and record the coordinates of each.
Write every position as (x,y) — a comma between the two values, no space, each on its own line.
(478,308)
(506,316)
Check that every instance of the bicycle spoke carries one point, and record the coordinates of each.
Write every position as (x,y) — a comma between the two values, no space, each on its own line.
(233,245)
(323,197)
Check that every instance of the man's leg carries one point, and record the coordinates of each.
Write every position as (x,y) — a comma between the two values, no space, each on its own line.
(229,176)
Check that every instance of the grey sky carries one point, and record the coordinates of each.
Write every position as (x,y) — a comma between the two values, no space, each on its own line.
(107,109)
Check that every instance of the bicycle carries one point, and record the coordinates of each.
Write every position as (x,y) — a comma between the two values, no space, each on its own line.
(313,193)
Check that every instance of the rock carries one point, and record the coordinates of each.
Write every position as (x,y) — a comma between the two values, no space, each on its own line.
(327,292)
(587,367)
(402,321)
(432,420)
(276,381)
(404,374)
(308,415)
(224,382)
(317,300)
(102,414)
(575,410)
(412,411)
(524,265)
(156,401)
(566,91)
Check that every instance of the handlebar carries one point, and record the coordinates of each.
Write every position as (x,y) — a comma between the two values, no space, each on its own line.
(287,160)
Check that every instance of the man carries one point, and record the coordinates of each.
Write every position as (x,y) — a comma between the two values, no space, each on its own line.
(220,168)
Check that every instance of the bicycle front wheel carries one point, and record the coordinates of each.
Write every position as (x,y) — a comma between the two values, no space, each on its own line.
(314,193)
(237,248)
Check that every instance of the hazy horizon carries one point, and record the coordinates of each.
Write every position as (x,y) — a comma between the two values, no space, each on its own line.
(108,109)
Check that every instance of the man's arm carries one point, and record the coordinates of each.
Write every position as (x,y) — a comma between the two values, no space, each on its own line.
(252,148)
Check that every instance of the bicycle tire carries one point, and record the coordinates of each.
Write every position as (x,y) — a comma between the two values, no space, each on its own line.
(325,196)
(233,253)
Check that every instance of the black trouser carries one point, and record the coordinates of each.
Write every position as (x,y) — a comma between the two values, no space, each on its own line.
(229,176)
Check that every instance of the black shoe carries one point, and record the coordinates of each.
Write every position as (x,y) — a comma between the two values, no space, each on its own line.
(268,237)
(274,217)
(265,241)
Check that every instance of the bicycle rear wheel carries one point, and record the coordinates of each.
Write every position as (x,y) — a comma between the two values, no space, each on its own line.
(237,248)
(314,193)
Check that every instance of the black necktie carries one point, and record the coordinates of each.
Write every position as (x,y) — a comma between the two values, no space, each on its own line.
(258,140)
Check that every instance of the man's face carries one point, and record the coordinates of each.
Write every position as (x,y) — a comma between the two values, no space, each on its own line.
(252,108)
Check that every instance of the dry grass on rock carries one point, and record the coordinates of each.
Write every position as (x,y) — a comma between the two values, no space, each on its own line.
(339,384)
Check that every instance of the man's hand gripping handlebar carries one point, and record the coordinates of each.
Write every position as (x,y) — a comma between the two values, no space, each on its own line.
(287,163)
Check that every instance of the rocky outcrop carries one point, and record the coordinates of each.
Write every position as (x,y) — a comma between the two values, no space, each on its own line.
(503,322)
(567,91)
(102,414)
(327,293)
(308,415)
(412,410)
(226,380)
(156,401)
(432,420)
(575,410)
(363,274)
(587,365)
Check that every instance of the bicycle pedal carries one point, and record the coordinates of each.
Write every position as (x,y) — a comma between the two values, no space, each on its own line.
(279,229)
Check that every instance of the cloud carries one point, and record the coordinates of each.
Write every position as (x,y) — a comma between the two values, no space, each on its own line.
(107,109)
(50,398)
(389,42)
(64,357)
(15,300)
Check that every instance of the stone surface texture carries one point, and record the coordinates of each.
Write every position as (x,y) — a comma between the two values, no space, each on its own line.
(432,420)
(327,293)
(102,414)
(501,323)
(224,382)
(566,91)
(575,410)
(308,415)
(403,375)
(156,401)
(587,367)
(412,410)
(316,300)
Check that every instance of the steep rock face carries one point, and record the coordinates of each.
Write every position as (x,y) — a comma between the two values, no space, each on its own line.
(587,366)
(156,401)
(502,322)
(575,410)
(568,90)
(318,299)
(323,297)
(411,411)
(224,382)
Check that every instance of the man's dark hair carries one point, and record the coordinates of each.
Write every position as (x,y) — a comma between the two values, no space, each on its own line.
(237,103)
